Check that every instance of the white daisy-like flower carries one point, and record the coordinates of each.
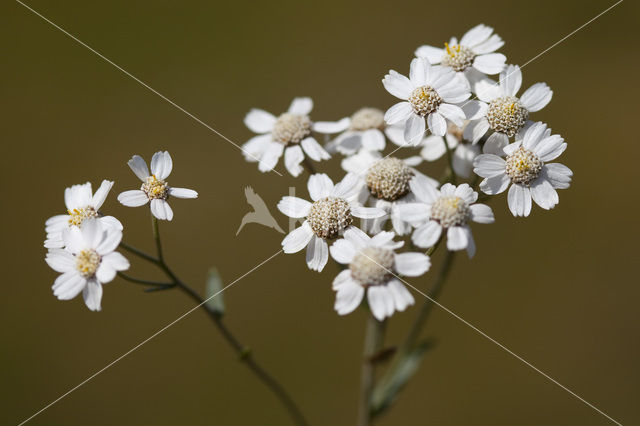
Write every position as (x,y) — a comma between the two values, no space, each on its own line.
(329,215)
(384,183)
(502,112)
(81,205)
(373,268)
(526,168)
(288,134)
(88,261)
(433,148)
(429,94)
(449,209)
(473,55)
(154,188)
(365,129)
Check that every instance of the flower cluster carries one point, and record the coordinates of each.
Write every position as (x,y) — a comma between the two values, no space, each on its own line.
(450,106)
(82,243)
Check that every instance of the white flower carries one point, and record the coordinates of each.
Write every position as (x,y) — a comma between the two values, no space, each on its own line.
(384,182)
(450,208)
(88,261)
(81,204)
(330,214)
(473,55)
(154,188)
(365,129)
(526,168)
(284,134)
(502,112)
(373,268)
(428,94)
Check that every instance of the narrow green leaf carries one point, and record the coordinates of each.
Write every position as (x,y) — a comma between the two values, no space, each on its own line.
(214,286)
(387,389)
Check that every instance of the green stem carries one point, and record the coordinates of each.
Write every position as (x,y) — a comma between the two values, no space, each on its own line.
(452,174)
(144,282)
(243,352)
(374,337)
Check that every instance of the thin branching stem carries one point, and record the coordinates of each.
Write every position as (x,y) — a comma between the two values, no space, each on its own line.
(373,341)
(243,352)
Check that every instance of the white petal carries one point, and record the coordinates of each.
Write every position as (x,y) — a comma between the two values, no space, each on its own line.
(161,164)
(60,260)
(544,194)
(382,238)
(105,273)
(456,91)
(183,193)
(511,80)
(377,296)
(471,244)
(313,149)
(161,209)
(534,135)
(491,45)
(301,106)
(550,148)
(412,264)
(490,64)
(133,198)
(397,84)
(414,129)
(92,295)
(293,156)
(557,174)
(489,165)
(78,196)
(108,241)
(68,285)
(476,35)
(457,238)
(519,200)
(437,124)
(481,213)
(342,251)
(330,127)
(139,167)
(476,130)
(487,90)
(495,185)
(495,143)
(348,297)
(116,260)
(101,194)
(427,235)
(467,193)
(256,146)
(433,147)
(401,295)
(418,71)
(270,156)
(356,237)
(463,159)
(373,140)
(433,54)
(319,186)
(317,254)
(453,113)
(474,110)
(424,189)
(259,121)
(414,212)
(367,212)
(349,187)
(294,207)
(536,97)
(74,240)
(297,239)
(399,113)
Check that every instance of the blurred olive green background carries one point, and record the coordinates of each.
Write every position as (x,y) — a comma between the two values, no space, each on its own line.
(559,288)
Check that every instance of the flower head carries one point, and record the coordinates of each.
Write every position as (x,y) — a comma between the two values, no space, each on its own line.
(524,165)
(155,189)
(502,112)
(331,213)
(373,266)
(449,209)
(428,96)
(81,205)
(288,134)
(365,130)
(472,56)
(88,261)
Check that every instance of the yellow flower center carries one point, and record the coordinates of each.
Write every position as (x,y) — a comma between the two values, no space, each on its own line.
(87,262)
(155,188)
(77,216)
